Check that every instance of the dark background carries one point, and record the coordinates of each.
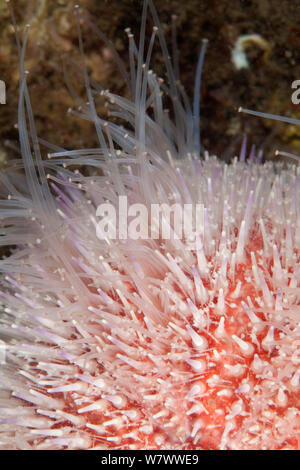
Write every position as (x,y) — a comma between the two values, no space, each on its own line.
(264,86)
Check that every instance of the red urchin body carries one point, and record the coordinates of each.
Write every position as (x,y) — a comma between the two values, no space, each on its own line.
(228,375)
(165,347)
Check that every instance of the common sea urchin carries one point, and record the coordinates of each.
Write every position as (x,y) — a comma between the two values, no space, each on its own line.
(179,343)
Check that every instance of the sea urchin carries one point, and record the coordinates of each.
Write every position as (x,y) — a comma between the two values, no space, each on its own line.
(157,343)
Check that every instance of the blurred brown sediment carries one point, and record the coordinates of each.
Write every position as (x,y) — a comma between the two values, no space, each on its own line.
(265,85)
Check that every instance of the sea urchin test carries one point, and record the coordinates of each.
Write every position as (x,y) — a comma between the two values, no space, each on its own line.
(158,343)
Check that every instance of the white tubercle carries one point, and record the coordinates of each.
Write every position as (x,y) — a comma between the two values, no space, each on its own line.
(246,348)
(198,340)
